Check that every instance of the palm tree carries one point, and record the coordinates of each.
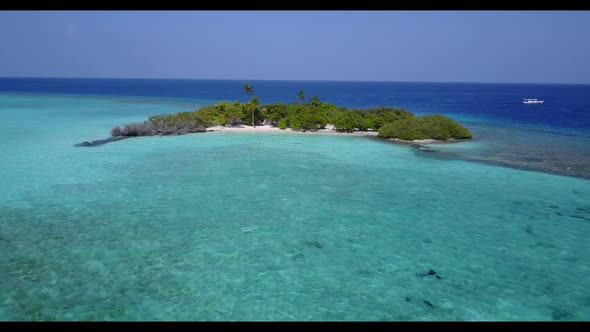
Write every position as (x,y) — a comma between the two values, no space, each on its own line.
(315,102)
(253,106)
(301,96)
(249,90)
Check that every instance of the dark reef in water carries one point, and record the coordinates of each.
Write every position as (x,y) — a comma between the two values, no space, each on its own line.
(562,314)
(428,303)
(100,141)
(430,273)
(364,273)
(425,302)
(579,217)
(298,256)
(425,149)
(314,244)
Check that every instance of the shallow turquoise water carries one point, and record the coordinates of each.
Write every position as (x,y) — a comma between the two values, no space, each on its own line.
(238,226)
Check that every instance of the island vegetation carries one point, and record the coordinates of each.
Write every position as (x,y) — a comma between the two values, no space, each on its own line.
(436,126)
(301,115)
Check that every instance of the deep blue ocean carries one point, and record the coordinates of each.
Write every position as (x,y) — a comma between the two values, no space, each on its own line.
(289,225)
(565,107)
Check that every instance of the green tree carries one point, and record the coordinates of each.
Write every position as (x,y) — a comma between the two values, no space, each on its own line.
(275,112)
(295,123)
(282,124)
(249,90)
(315,102)
(253,106)
(301,96)
(235,113)
(428,126)
(348,121)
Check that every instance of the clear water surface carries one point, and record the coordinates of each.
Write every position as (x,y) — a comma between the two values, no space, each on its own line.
(242,226)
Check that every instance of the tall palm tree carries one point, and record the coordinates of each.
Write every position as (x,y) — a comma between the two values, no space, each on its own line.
(253,106)
(301,96)
(249,90)
(315,102)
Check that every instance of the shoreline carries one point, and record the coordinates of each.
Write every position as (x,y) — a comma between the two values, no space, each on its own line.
(329,131)
(271,129)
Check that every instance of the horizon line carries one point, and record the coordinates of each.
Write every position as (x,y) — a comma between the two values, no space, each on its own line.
(284,80)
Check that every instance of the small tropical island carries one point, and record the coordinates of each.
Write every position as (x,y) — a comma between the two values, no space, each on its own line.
(304,115)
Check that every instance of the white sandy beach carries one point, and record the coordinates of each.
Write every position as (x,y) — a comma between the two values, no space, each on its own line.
(270,129)
(328,130)
(423,141)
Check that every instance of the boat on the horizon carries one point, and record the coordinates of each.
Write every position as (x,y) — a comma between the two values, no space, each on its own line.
(532,101)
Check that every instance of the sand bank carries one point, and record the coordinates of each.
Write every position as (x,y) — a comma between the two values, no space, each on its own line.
(271,129)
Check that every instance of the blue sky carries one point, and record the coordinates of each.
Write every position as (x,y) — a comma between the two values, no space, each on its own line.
(443,46)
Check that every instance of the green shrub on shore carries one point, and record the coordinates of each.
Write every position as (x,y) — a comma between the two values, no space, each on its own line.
(348,121)
(283,123)
(429,126)
(386,114)
(165,124)
(295,123)
(364,119)
(223,113)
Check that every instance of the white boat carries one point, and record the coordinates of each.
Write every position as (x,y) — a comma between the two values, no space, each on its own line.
(532,101)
